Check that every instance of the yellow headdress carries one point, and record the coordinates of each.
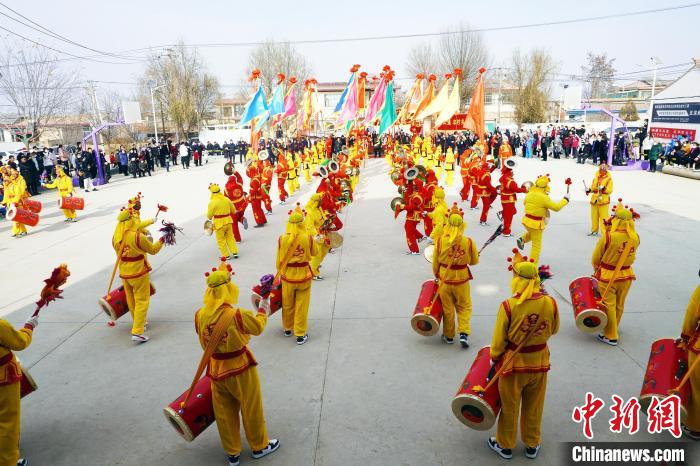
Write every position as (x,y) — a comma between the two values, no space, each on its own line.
(455,225)
(623,219)
(214,188)
(295,223)
(526,277)
(131,202)
(220,288)
(124,222)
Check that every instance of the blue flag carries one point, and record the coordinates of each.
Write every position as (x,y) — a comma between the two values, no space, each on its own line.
(343,96)
(277,101)
(255,107)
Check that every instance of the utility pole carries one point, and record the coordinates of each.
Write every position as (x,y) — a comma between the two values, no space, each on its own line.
(656,61)
(95,102)
(152,86)
(498,108)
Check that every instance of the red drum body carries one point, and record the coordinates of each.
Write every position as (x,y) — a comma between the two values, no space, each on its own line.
(114,304)
(33,206)
(590,316)
(426,318)
(192,420)
(477,410)
(71,203)
(27,384)
(23,216)
(667,366)
(275,297)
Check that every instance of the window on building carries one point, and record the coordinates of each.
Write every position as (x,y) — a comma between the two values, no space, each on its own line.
(238,110)
(227,112)
(331,99)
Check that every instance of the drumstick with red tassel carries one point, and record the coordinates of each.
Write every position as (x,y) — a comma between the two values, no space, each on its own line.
(51,290)
(567,182)
(161,208)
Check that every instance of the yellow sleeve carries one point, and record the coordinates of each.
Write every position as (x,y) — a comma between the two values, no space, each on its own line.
(280,254)
(609,187)
(15,340)
(146,245)
(253,324)
(53,184)
(210,210)
(145,223)
(555,318)
(314,247)
(555,206)
(692,314)
(598,252)
(500,334)
(474,253)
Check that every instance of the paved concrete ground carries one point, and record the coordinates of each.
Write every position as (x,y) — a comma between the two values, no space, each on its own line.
(365,389)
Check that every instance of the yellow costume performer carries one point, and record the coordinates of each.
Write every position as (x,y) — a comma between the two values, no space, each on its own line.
(616,249)
(133,246)
(64,184)
(294,251)
(452,256)
(449,166)
(537,207)
(600,191)
(315,219)
(292,174)
(219,211)
(15,189)
(10,376)
(439,213)
(532,315)
(235,383)
(690,337)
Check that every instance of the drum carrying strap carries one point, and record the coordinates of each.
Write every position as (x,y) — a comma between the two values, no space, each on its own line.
(427,309)
(507,362)
(623,257)
(217,334)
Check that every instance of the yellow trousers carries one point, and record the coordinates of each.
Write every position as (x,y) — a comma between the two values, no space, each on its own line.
(236,397)
(438,171)
(456,298)
(536,237)
(307,175)
(530,388)
(295,306)
(615,305)
(226,241)
(68,213)
(18,228)
(693,419)
(9,424)
(598,214)
(138,297)
(323,248)
(449,177)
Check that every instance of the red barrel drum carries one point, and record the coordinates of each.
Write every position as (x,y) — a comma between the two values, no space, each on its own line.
(589,313)
(194,418)
(474,409)
(71,203)
(114,304)
(27,384)
(23,216)
(275,297)
(31,205)
(426,318)
(667,365)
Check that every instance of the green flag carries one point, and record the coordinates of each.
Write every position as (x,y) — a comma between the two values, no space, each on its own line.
(388,115)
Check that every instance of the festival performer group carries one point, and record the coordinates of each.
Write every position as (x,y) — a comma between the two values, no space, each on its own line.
(506,384)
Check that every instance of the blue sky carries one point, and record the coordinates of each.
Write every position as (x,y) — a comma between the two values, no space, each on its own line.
(123,25)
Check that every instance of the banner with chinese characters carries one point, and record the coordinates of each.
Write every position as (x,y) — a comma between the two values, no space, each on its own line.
(680,112)
(455,123)
(668,133)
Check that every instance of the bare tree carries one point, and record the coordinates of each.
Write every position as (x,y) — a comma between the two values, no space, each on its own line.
(529,76)
(466,50)
(188,91)
(110,109)
(598,74)
(272,58)
(36,86)
(422,59)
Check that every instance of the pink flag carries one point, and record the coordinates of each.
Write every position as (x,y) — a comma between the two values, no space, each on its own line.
(290,103)
(376,101)
(349,111)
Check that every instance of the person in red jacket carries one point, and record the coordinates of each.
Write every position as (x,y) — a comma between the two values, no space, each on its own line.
(464,161)
(509,190)
(281,172)
(414,215)
(234,191)
(266,177)
(474,175)
(256,196)
(487,190)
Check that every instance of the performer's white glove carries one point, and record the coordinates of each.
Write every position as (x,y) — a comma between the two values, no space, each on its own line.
(33,322)
(566,196)
(319,238)
(264,306)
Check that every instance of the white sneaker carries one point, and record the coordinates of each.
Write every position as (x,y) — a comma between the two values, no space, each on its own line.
(270,448)
(142,338)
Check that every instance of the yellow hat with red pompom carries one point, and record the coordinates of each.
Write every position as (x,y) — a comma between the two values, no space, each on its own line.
(219,275)
(521,266)
(455,216)
(296,215)
(543,181)
(214,188)
(624,212)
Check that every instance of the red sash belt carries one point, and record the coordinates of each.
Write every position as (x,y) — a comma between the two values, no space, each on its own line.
(605,266)
(6,359)
(132,259)
(230,354)
(222,216)
(533,217)
(455,267)
(298,264)
(526,349)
